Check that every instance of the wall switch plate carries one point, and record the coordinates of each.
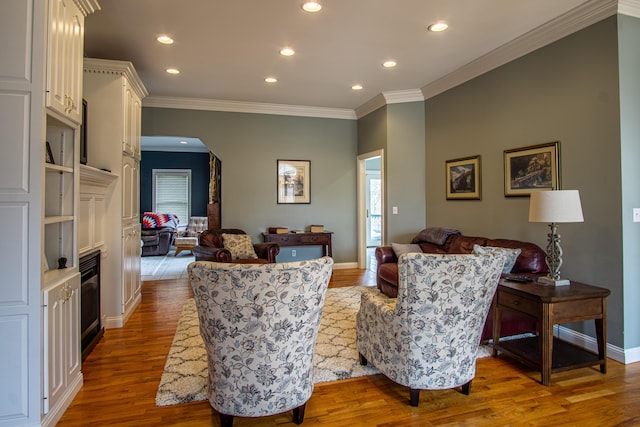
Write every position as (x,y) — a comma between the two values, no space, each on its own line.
(636,214)
(293,252)
(395,210)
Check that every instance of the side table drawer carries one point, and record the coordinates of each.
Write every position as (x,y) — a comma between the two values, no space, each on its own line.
(517,303)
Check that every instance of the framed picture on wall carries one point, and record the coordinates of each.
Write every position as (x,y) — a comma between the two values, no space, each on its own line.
(463,178)
(533,168)
(294,181)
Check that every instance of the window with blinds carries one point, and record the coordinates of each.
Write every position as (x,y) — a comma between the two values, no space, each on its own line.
(172,192)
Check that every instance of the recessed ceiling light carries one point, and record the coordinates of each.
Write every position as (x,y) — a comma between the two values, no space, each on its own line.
(172,71)
(271,80)
(438,26)
(356,87)
(287,51)
(164,39)
(183,142)
(389,64)
(311,6)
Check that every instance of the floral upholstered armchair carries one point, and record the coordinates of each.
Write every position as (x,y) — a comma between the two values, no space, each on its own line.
(428,337)
(259,323)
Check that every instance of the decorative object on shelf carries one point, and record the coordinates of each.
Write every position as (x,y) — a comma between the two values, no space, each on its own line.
(62,263)
(49,158)
(531,169)
(294,181)
(463,178)
(554,207)
(316,228)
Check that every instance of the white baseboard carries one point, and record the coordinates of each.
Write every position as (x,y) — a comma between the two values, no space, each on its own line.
(616,353)
(54,414)
(113,322)
(345,265)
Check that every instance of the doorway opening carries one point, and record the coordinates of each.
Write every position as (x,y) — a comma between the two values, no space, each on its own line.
(370,207)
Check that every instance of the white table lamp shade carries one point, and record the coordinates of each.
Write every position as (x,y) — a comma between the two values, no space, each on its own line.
(555,206)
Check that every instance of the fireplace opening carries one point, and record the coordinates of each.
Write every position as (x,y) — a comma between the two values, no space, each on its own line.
(91,329)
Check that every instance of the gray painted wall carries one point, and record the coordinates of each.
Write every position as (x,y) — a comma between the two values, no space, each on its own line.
(399,130)
(250,144)
(405,171)
(629,54)
(567,92)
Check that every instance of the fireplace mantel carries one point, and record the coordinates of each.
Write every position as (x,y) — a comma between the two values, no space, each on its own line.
(95,181)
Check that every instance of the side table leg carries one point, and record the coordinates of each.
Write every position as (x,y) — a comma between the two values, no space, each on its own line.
(601,336)
(546,344)
(497,323)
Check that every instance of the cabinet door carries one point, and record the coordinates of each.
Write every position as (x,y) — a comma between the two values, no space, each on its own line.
(73,66)
(56,55)
(54,317)
(129,275)
(127,188)
(73,354)
(64,57)
(127,143)
(61,339)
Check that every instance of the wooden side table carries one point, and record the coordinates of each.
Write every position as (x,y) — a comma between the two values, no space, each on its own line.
(302,239)
(551,305)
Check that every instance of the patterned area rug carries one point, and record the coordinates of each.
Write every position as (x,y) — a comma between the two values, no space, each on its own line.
(185,373)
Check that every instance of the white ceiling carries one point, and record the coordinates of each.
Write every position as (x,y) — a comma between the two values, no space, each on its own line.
(225,48)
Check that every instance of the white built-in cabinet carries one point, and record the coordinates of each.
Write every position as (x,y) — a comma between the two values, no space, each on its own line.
(114,94)
(62,339)
(40,105)
(64,59)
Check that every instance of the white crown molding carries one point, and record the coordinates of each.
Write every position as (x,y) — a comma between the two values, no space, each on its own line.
(401,96)
(629,7)
(247,107)
(581,17)
(87,7)
(122,68)
(371,105)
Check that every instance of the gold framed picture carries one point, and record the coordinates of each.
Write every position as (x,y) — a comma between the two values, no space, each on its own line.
(533,168)
(463,178)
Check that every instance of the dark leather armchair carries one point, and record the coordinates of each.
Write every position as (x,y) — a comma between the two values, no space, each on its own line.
(211,248)
(156,241)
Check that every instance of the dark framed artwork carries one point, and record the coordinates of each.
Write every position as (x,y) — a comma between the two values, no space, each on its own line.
(49,154)
(533,168)
(463,178)
(294,181)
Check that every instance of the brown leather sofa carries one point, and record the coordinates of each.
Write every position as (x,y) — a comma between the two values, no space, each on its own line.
(211,248)
(530,262)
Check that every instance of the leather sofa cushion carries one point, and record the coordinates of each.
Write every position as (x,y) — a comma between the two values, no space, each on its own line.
(530,260)
(463,244)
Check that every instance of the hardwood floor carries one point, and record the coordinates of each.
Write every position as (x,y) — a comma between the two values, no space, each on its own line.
(122,373)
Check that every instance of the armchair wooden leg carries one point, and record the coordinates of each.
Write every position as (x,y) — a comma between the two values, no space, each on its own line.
(465,388)
(298,414)
(414,393)
(226,420)
(363,360)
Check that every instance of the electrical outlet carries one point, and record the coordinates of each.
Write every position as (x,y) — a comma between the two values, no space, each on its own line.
(636,214)
(395,210)
(293,253)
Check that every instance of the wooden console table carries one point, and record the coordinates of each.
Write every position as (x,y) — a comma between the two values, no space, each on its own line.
(551,305)
(302,239)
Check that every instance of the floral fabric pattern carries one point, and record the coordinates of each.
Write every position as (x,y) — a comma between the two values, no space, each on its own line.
(259,323)
(428,337)
(510,255)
